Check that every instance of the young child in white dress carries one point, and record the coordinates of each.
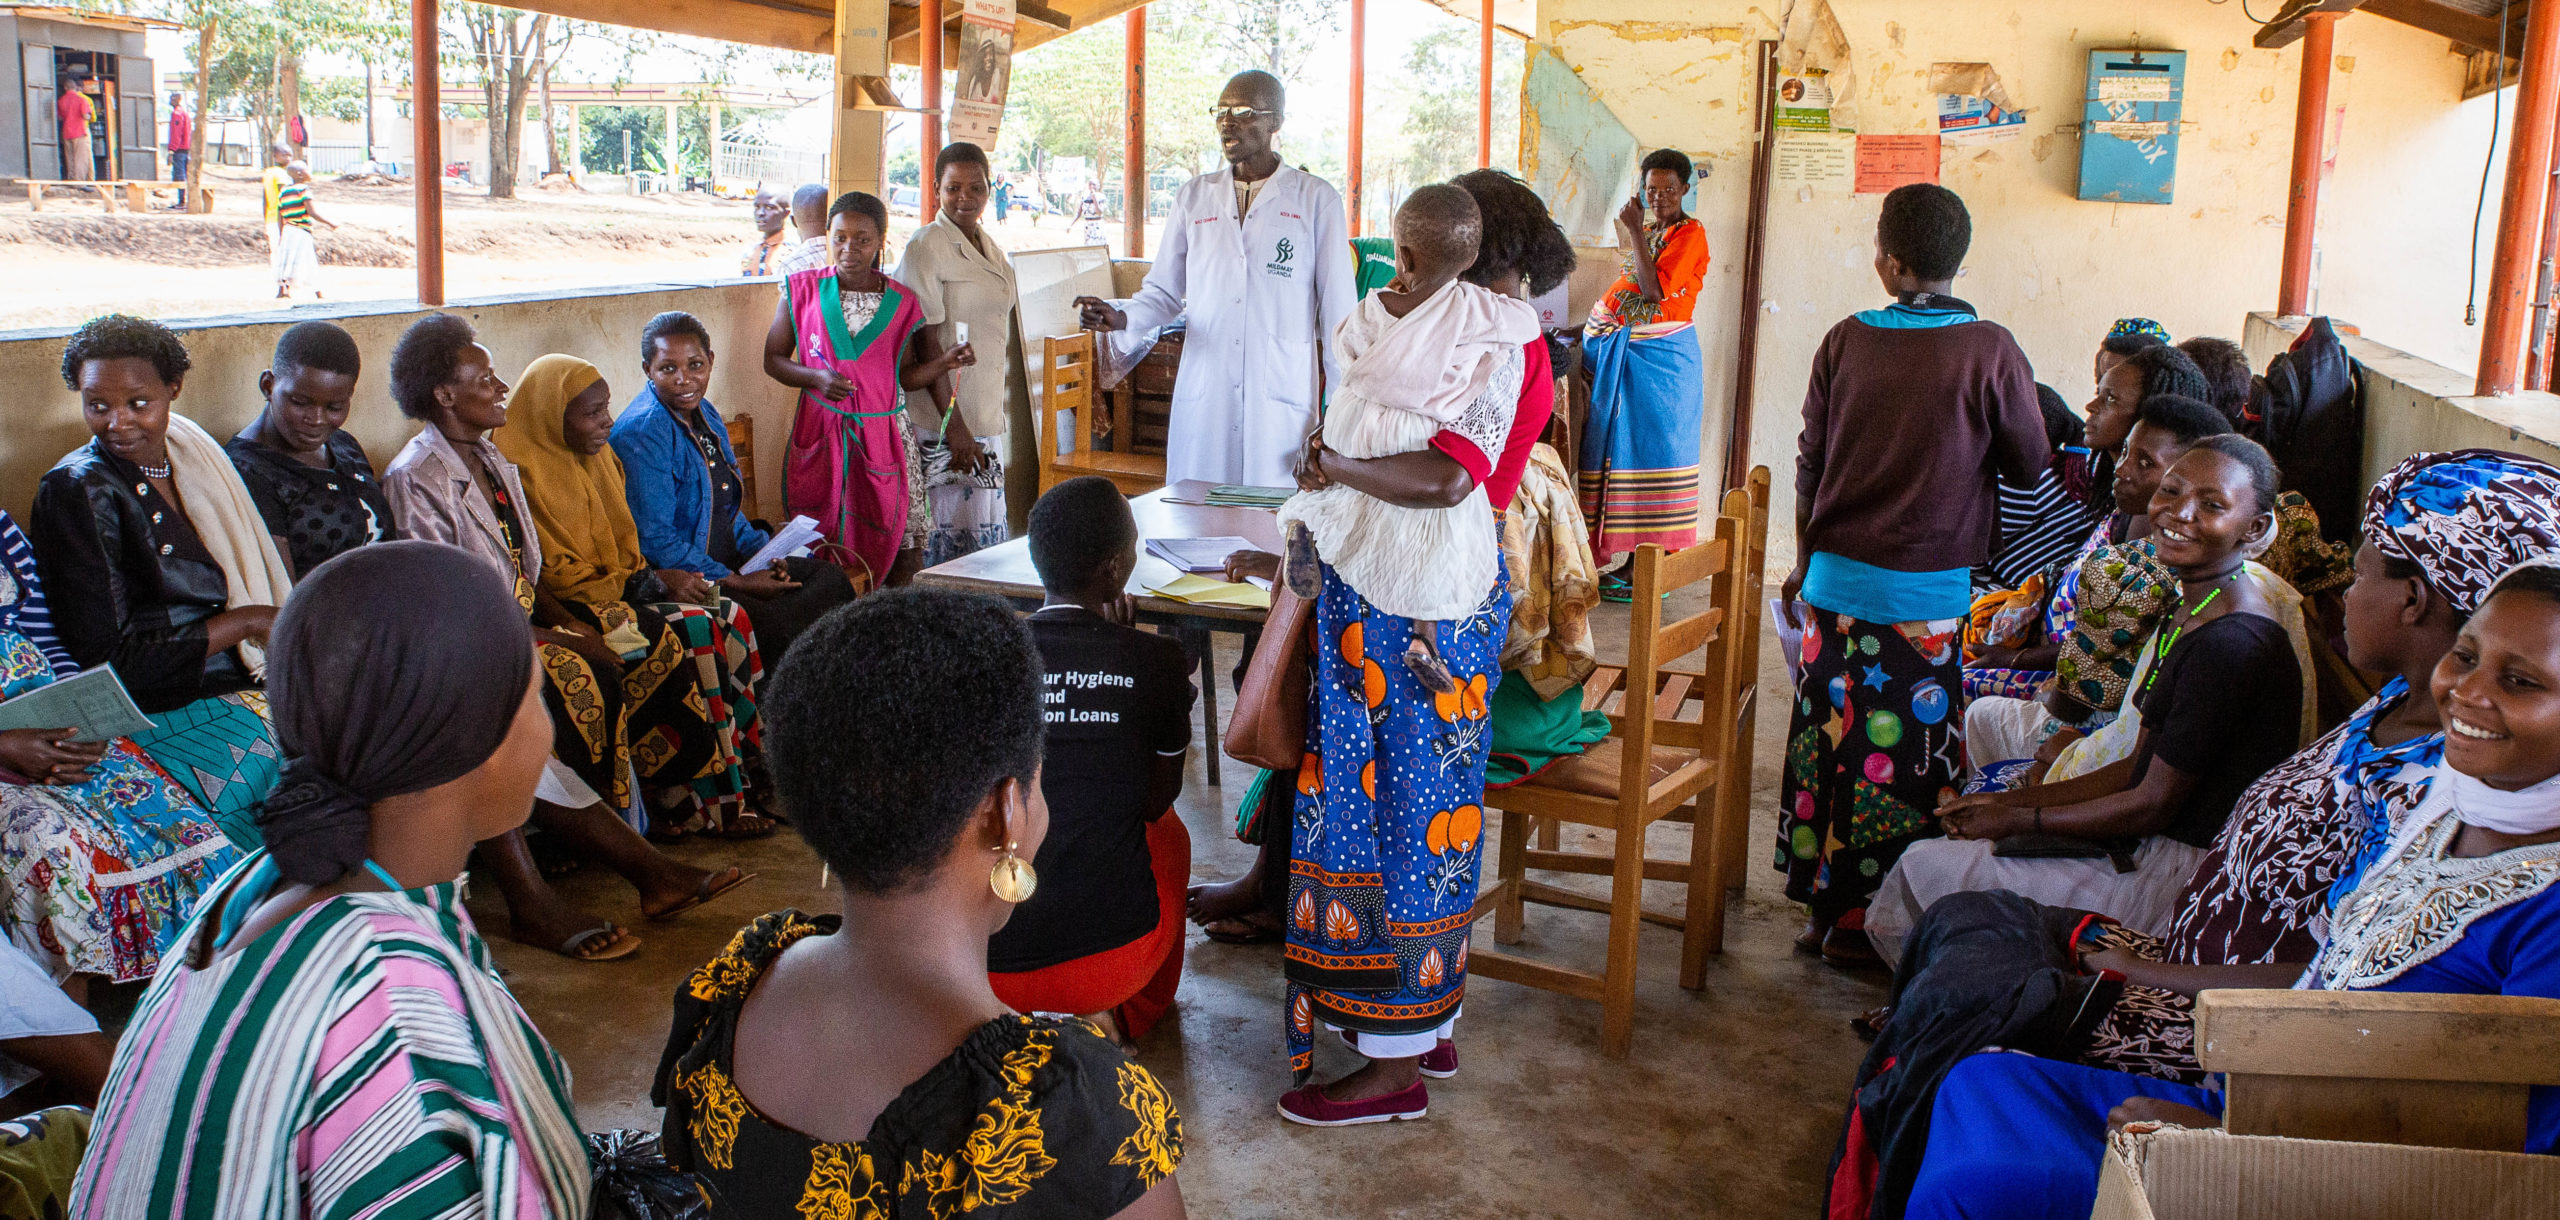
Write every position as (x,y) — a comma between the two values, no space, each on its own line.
(1424,355)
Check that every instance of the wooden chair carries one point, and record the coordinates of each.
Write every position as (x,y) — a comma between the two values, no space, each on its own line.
(2380,1067)
(1750,503)
(1067,385)
(1681,724)
(742,441)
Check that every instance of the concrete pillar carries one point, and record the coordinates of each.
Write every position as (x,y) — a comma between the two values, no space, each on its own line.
(675,167)
(712,158)
(862,49)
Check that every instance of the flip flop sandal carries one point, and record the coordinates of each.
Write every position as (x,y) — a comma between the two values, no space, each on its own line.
(712,887)
(745,826)
(1254,933)
(571,948)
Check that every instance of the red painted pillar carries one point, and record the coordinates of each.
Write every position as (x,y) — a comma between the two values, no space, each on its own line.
(2520,212)
(1484,90)
(1359,105)
(2310,134)
(929,57)
(426,115)
(1133,156)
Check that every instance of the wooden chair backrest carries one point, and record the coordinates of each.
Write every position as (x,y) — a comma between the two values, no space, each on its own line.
(1651,716)
(1066,385)
(742,441)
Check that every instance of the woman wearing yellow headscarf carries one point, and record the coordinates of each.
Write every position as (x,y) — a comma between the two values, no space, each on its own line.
(690,660)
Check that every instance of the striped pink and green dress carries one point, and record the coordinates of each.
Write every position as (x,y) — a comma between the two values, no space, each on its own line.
(362,1059)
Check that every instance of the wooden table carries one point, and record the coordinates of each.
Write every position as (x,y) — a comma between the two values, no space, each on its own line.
(1005,571)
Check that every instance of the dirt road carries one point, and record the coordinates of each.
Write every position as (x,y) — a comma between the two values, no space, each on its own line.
(71,262)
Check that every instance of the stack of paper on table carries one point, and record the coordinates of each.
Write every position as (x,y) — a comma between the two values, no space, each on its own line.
(1197,554)
(1228,495)
(1202,591)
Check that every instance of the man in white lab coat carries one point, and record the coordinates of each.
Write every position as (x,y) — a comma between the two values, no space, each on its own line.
(1256,258)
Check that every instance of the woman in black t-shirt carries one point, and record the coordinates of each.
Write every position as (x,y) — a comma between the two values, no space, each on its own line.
(1103,937)
(2220,701)
(859,1064)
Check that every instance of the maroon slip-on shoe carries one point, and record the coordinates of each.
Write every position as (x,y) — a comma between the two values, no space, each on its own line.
(1310,1107)
(1439,1063)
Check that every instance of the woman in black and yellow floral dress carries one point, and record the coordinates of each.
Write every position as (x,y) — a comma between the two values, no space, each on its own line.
(936,1099)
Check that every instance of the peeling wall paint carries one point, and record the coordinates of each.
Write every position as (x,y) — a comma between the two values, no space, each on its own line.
(2396,215)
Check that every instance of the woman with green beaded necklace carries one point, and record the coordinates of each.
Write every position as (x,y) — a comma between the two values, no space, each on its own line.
(2220,697)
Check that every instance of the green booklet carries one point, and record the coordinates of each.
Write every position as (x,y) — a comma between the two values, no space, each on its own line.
(93,702)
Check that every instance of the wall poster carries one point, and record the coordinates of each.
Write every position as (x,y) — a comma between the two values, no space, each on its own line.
(984,71)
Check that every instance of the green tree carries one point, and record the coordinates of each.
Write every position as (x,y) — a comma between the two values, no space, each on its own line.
(259,48)
(1276,36)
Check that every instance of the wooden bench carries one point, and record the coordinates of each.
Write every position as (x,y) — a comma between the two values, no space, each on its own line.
(136,191)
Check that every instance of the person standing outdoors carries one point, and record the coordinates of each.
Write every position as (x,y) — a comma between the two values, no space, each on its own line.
(1255,256)
(1004,199)
(74,108)
(964,284)
(770,213)
(809,225)
(182,141)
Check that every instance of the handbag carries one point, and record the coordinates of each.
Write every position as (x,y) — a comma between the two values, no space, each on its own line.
(1269,727)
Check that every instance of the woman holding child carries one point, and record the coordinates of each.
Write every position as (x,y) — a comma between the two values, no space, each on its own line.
(1389,820)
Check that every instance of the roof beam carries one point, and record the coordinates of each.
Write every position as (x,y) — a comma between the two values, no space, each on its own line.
(2286,27)
(786,26)
(2470,29)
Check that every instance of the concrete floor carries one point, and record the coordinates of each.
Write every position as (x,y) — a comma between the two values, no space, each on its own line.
(1728,1106)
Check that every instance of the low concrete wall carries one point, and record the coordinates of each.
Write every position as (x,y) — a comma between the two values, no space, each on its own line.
(596,324)
(2412,405)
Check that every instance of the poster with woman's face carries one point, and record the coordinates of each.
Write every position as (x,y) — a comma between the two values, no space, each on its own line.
(985,73)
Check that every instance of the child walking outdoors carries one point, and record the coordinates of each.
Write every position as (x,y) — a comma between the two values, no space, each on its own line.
(1911,410)
(1416,356)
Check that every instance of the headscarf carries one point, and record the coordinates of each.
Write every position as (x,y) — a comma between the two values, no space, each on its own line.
(2125,592)
(2465,518)
(590,546)
(2297,553)
(2126,327)
(395,667)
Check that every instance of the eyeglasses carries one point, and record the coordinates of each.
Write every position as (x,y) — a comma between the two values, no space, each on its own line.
(1237,114)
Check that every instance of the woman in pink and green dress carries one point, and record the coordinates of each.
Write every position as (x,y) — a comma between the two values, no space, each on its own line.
(851,340)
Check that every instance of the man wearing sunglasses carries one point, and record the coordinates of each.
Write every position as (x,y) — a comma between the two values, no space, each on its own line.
(1256,261)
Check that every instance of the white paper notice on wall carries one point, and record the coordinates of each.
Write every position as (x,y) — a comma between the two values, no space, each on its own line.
(1816,161)
(2131,130)
(2133,89)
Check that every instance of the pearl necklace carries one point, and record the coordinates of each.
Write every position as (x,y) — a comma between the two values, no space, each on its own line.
(154,472)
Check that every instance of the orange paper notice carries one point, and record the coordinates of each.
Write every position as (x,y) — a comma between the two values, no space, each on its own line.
(1885,162)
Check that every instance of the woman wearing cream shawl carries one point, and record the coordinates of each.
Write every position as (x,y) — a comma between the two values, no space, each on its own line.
(156,562)
(690,661)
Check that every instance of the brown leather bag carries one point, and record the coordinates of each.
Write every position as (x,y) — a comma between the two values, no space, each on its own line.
(1269,727)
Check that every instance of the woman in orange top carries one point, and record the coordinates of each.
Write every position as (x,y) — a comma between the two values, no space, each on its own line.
(1638,445)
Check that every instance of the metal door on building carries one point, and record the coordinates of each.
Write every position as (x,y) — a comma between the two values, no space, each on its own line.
(44,134)
(137,121)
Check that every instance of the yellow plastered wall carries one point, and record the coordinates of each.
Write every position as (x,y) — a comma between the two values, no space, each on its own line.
(221,393)
(2054,270)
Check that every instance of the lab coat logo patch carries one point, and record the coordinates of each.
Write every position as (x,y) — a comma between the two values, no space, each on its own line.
(1279,264)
